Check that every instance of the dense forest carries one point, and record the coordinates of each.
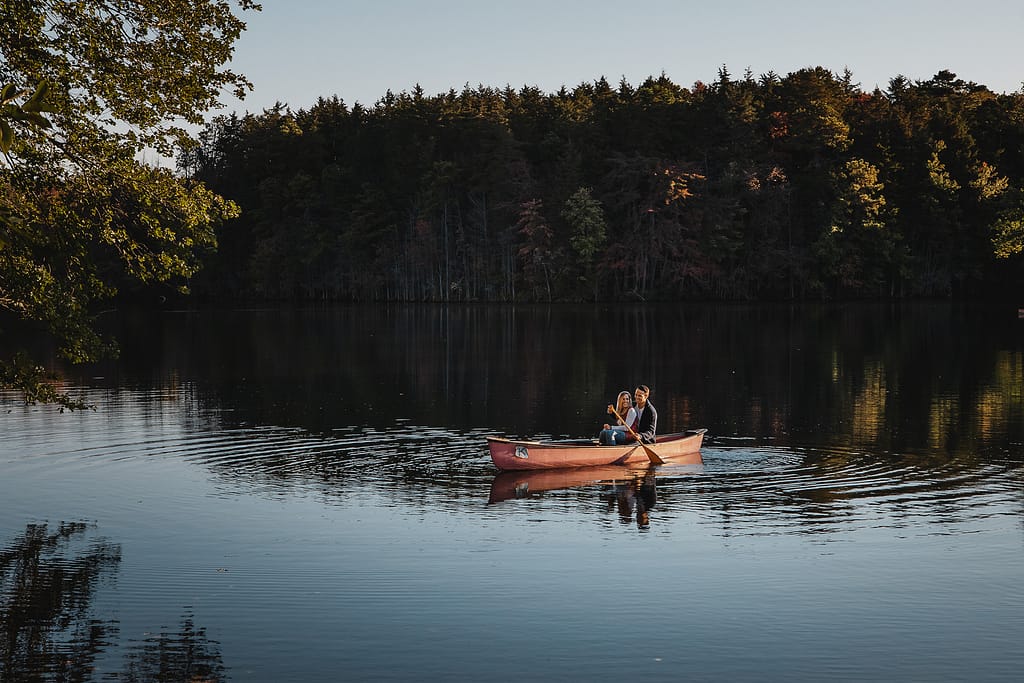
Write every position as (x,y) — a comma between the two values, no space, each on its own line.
(770,187)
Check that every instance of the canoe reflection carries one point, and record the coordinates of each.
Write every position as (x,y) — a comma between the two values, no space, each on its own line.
(632,490)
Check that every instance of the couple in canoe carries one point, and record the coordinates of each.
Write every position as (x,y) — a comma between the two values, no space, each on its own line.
(636,419)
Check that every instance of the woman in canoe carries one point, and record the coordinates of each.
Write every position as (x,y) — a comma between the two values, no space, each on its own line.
(617,434)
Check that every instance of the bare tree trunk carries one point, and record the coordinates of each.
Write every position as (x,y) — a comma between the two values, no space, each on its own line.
(447,266)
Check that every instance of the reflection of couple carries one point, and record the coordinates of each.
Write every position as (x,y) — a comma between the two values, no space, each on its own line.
(638,494)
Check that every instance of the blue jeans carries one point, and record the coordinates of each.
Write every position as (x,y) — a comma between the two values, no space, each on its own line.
(612,437)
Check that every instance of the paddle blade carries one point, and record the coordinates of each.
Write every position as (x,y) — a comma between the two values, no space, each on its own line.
(652,456)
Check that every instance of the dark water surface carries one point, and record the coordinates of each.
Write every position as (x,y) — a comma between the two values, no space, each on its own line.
(306,495)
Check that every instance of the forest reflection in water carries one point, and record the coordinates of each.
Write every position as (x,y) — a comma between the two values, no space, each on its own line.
(285,495)
(49,629)
(885,377)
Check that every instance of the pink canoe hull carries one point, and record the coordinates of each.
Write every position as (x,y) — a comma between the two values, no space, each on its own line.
(508,454)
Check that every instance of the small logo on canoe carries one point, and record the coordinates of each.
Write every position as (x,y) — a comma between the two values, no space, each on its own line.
(521,452)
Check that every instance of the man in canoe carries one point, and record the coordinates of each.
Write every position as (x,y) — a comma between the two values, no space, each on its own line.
(647,416)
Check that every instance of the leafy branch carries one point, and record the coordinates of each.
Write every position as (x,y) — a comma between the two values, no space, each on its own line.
(28,113)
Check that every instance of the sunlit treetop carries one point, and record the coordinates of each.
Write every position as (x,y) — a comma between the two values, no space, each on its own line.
(132,68)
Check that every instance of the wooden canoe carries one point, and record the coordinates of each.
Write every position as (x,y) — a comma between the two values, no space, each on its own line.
(508,454)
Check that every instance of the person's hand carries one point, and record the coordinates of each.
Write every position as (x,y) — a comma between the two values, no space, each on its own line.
(607,426)
(611,409)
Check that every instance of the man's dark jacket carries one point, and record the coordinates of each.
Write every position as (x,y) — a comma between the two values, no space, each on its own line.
(648,424)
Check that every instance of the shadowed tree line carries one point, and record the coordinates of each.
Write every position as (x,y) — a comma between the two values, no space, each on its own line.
(795,187)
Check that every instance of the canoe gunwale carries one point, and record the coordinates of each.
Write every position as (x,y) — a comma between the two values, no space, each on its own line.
(585,443)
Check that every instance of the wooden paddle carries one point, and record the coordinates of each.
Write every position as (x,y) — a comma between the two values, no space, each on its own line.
(651,455)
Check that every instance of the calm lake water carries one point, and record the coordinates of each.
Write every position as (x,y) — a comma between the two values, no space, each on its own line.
(282,495)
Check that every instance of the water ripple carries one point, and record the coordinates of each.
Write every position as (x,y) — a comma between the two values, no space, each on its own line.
(762,486)
(770,487)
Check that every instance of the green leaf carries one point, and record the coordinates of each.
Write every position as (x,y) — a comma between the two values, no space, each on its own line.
(9,92)
(39,120)
(6,136)
(38,99)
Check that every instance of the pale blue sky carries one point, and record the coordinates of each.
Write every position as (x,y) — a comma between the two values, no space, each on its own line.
(297,50)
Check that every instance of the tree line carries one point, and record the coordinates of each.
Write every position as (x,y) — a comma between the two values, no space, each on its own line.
(796,187)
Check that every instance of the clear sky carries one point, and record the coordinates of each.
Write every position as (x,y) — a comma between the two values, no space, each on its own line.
(297,50)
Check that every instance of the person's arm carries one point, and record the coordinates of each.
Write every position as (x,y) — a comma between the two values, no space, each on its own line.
(611,411)
(629,418)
